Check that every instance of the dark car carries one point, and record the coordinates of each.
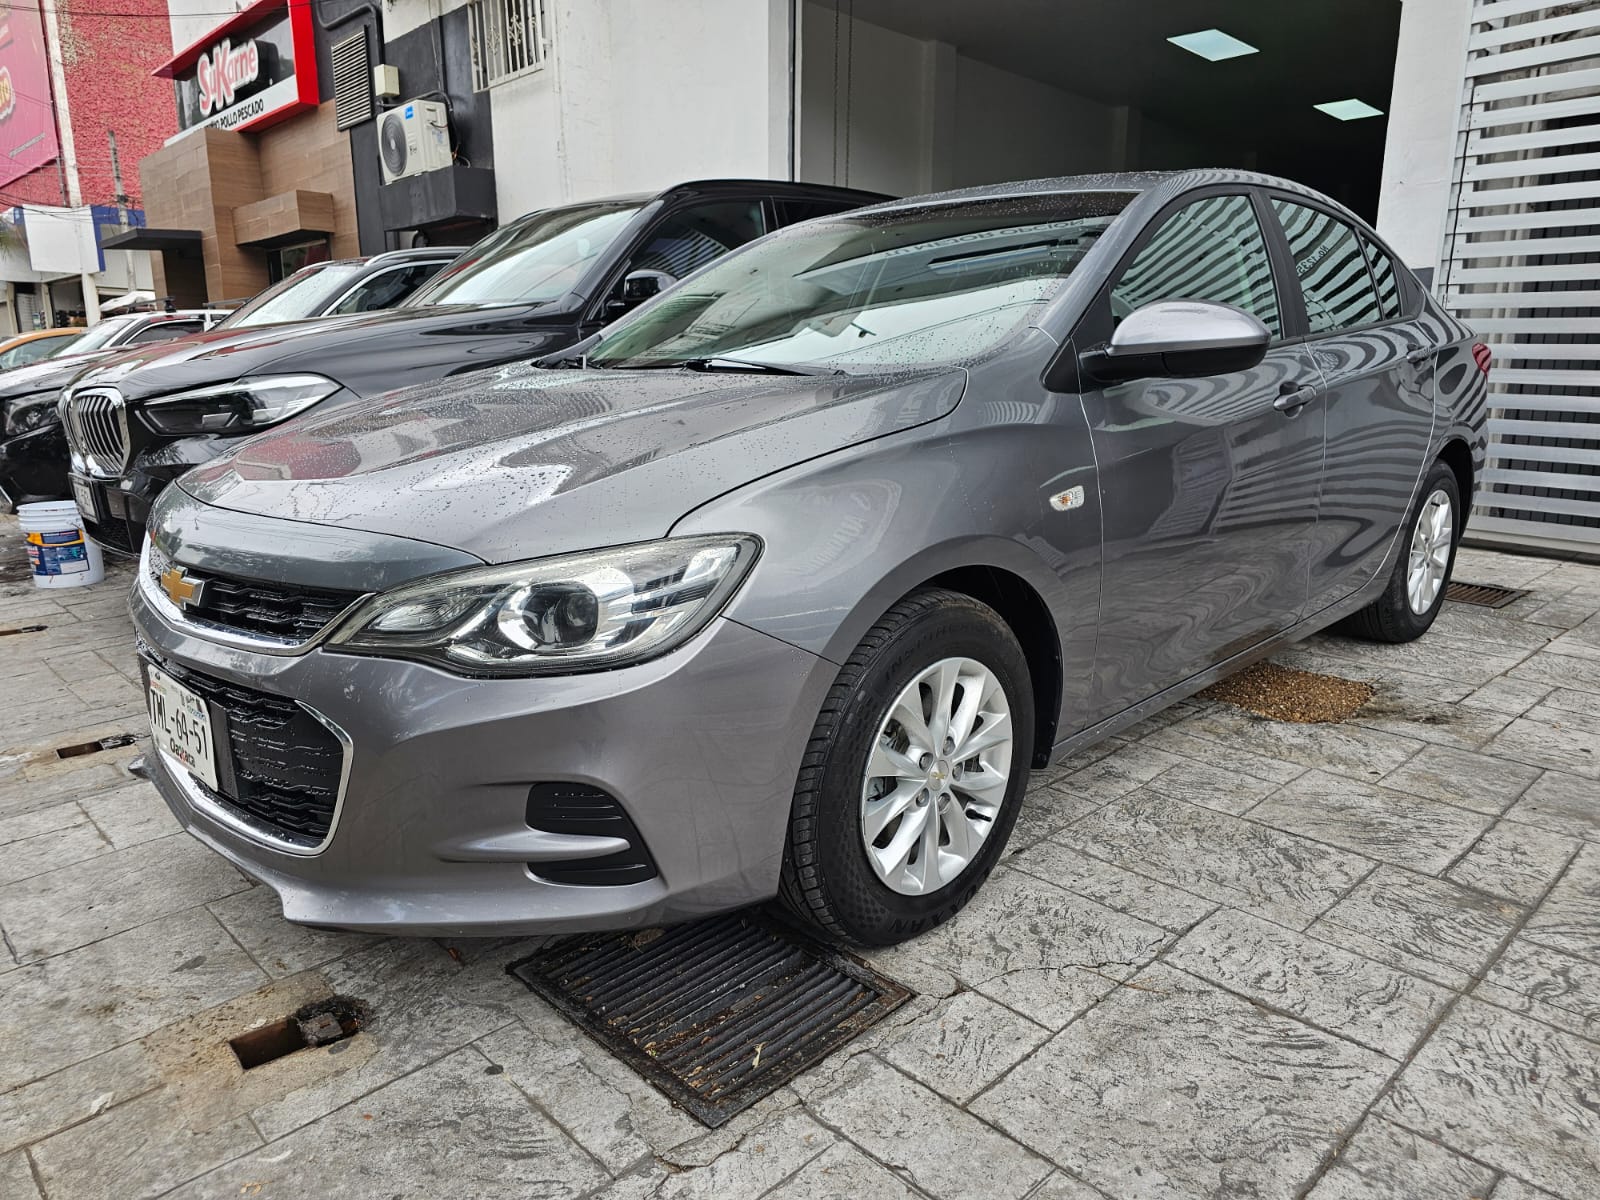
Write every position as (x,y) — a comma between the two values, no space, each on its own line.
(33,452)
(534,286)
(32,449)
(784,585)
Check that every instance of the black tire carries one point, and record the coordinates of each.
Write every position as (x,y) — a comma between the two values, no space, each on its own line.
(1390,618)
(827,881)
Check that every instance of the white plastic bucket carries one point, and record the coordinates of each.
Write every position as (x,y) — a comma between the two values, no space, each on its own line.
(62,554)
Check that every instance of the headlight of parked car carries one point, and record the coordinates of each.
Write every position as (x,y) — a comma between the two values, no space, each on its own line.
(32,412)
(241,405)
(579,612)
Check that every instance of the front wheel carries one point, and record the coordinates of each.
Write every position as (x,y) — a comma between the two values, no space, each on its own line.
(1416,589)
(914,773)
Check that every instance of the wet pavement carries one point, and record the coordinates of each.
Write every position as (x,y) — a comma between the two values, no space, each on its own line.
(1224,957)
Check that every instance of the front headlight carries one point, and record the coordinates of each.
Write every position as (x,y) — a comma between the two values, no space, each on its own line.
(579,612)
(26,413)
(244,404)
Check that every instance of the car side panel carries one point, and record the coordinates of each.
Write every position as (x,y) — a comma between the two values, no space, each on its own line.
(869,524)
(1379,428)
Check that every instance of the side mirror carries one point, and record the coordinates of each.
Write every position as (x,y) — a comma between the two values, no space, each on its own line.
(1176,339)
(637,287)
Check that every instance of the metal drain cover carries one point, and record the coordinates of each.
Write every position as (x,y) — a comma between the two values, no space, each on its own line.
(717,1014)
(1486,595)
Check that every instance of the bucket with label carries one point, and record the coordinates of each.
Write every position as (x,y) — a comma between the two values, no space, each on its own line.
(61,553)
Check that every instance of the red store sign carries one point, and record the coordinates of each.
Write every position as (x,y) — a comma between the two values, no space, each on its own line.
(252,71)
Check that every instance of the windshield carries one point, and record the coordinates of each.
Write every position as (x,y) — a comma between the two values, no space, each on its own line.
(538,258)
(103,334)
(304,294)
(929,286)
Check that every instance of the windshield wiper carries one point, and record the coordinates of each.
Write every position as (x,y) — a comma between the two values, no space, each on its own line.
(720,363)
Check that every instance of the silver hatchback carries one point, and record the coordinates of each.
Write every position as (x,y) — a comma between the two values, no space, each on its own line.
(782,584)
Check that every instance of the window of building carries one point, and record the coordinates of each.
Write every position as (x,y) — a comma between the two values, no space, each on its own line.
(1333,273)
(286,260)
(1209,250)
(509,38)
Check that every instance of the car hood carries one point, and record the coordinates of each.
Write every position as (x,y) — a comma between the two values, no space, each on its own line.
(50,373)
(521,462)
(223,355)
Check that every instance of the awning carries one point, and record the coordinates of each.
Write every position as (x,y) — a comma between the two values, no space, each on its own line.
(177,241)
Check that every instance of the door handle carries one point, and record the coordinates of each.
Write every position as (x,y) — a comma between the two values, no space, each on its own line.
(1292,398)
(1419,356)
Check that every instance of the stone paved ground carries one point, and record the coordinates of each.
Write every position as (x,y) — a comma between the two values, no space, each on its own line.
(1224,958)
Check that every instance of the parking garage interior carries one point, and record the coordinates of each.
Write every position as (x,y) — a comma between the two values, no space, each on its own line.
(905,96)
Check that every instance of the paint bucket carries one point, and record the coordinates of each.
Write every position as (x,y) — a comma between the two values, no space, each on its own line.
(61,553)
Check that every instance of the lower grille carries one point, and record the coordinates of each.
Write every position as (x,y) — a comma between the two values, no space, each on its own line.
(115,533)
(578,808)
(283,769)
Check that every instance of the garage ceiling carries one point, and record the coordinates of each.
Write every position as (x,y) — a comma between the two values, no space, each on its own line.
(1116,52)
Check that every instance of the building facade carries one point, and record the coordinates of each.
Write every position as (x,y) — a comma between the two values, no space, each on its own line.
(77,112)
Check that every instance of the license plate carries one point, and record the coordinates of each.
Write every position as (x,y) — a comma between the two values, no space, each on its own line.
(83,497)
(180,722)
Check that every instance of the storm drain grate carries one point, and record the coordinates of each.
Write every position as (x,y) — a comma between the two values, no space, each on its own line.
(1486,595)
(716,1014)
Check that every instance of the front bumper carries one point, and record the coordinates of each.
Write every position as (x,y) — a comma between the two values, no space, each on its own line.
(122,506)
(701,749)
(34,464)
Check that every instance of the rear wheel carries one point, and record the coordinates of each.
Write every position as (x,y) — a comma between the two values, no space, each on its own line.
(914,773)
(1415,593)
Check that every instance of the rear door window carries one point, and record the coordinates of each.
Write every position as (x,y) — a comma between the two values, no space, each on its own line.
(1390,299)
(792,212)
(386,288)
(1211,250)
(1332,270)
(693,237)
(163,331)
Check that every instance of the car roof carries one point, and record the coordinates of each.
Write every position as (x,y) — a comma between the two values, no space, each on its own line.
(414,252)
(781,188)
(1171,182)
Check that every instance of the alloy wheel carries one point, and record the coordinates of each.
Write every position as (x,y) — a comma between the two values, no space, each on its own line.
(936,776)
(1430,552)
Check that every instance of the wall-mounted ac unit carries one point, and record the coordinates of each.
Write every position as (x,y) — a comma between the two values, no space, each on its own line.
(412,138)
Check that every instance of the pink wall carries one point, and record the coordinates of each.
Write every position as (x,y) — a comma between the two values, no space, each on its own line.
(108,60)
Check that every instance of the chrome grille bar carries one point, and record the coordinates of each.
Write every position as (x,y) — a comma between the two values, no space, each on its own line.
(97,427)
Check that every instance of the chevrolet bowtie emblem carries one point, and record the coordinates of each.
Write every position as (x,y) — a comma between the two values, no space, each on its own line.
(180,589)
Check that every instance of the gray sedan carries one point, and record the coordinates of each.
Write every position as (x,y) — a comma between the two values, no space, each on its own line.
(782,584)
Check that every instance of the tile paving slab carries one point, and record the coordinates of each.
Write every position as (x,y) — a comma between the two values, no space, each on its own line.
(1511,1092)
(1174,1088)
(1199,972)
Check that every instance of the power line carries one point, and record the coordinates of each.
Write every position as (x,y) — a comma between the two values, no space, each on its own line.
(164,15)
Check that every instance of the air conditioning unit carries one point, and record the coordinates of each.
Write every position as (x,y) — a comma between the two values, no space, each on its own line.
(412,138)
